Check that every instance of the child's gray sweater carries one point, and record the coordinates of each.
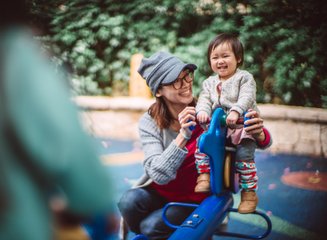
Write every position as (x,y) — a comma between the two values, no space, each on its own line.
(238,93)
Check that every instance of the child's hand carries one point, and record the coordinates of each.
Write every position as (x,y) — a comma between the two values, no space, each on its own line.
(202,117)
(232,119)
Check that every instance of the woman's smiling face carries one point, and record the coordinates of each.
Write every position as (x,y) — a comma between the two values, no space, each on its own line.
(223,61)
(182,96)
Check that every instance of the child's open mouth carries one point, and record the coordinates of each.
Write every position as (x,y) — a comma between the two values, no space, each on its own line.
(222,67)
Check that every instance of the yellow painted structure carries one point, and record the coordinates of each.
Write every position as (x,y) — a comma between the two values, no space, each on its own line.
(137,85)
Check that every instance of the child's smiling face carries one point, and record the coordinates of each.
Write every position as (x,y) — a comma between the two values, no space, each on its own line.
(223,61)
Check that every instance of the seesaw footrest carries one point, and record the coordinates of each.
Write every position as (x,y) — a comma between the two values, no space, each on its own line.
(246,236)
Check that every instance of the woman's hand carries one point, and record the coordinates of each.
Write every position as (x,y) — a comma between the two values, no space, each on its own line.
(186,119)
(255,125)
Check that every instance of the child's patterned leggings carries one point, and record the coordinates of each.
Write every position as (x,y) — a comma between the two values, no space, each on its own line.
(202,162)
(245,165)
(247,174)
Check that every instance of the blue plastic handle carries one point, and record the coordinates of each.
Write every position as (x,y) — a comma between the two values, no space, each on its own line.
(245,119)
(191,127)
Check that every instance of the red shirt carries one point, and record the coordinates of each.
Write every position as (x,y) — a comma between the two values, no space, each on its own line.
(181,189)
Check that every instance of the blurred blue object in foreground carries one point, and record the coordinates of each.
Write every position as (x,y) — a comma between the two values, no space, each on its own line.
(43,147)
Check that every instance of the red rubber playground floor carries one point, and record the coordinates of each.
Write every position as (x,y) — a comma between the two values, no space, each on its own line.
(292,191)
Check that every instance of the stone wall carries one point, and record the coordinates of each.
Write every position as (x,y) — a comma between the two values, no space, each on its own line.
(295,130)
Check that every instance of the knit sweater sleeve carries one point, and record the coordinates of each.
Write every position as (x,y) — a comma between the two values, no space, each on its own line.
(247,93)
(160,163)
(204,102)
(267,142)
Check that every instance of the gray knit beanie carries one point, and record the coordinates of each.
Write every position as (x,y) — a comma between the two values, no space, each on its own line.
(162,68)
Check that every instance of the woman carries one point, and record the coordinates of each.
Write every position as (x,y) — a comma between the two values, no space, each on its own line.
(169,146)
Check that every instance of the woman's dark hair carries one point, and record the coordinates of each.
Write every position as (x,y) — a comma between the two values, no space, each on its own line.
(230,39)
(160,113)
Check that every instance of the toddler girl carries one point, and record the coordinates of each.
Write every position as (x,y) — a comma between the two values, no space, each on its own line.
(234,90)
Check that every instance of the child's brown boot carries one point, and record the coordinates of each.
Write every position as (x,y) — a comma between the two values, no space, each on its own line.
(203,183)
(249,201)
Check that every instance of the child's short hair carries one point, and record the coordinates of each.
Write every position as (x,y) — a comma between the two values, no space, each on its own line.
(234,42)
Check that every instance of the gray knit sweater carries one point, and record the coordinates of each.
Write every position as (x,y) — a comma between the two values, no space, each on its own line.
(162,156)
(238,93)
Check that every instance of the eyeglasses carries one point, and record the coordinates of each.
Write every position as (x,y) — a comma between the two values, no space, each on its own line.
(178,83)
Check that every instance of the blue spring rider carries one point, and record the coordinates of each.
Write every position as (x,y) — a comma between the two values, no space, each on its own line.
(202,224)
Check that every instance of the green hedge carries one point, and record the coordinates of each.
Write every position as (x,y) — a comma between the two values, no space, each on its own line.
(285,41)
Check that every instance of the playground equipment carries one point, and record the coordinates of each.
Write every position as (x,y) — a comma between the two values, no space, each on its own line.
(203,223)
